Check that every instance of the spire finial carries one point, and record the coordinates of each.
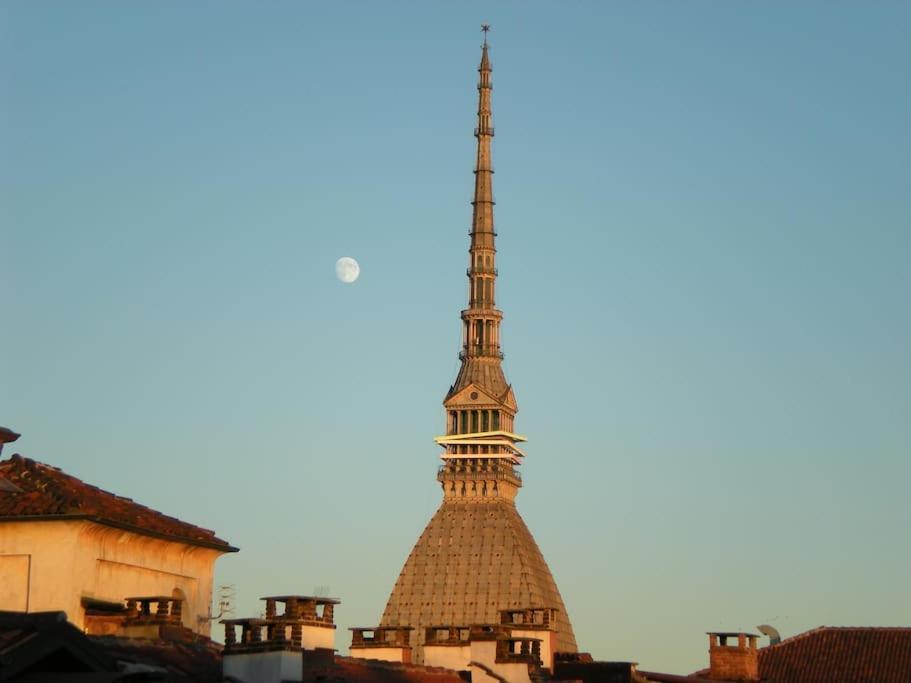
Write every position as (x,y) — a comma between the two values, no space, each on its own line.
(485,28)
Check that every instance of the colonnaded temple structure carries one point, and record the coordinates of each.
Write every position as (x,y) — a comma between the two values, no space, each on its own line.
(477,557)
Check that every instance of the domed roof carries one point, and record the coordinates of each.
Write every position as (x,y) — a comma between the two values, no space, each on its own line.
(472,560)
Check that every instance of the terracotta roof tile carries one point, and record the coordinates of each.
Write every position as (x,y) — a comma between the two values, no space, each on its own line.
(47,491)
(197,660)
(353,670)
(843,654)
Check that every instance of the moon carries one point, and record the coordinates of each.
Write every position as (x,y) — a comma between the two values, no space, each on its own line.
(347,269)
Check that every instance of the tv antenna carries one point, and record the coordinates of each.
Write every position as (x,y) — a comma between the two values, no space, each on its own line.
(226,595)
(771,632)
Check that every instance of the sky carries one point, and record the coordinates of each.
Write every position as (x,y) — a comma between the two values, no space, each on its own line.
(704,217)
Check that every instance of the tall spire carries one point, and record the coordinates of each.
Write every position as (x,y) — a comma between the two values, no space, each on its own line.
(481,353)
(482,232)
(480,404)
(476,557)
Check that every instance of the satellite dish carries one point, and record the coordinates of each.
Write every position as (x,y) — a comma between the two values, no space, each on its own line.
(771,632)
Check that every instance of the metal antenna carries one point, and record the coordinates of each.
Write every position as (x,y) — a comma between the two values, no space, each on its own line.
(226,596)
(771,632)
(225,605)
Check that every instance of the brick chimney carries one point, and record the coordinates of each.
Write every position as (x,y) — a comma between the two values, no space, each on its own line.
(733,657)
(151,617)
(276,649)
(386,643)
(534,622)
(447,646)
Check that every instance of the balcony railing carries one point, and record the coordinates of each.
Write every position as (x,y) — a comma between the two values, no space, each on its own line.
(444,472)
(474,350)
(481,271)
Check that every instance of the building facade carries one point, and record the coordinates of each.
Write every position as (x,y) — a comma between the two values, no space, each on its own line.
(68,546)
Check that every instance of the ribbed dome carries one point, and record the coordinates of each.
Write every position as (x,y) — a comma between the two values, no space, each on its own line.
(472,560)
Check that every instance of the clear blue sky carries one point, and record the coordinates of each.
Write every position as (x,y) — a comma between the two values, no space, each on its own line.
(705,236)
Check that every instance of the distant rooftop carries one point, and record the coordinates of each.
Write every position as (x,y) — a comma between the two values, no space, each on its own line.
(881,654)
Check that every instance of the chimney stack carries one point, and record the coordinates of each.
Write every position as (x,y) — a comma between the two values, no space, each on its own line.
(385,643)
(275,649)
(737,661)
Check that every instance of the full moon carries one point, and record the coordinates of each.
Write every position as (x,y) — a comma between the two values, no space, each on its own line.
(347,269)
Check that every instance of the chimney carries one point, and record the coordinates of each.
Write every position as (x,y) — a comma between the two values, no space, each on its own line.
(499,654)
(534,622)
(385,643)
(276,649)
(733,657)
(447,646)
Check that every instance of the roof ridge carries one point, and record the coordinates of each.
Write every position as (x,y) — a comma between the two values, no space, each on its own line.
(836,629)
(864,628)
(799,636)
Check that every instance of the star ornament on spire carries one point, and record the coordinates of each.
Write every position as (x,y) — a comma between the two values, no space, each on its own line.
(485,28)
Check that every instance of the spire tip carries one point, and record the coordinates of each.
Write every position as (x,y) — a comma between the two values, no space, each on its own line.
(485,28)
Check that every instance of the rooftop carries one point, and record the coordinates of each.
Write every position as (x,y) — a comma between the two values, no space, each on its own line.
(48,493)
(881,654)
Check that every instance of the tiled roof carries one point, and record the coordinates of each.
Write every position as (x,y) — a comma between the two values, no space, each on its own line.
(28,640)
(842,654)
(196,660)
(352,670)
(698,677)
(48,492)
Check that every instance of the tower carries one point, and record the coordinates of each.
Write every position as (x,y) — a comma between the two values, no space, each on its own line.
(476,556)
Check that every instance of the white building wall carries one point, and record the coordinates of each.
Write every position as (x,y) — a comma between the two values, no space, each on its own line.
(453,657)
(484,652)
(264,667)
(72,559)
(14,578)
(313,637)
(384,654)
